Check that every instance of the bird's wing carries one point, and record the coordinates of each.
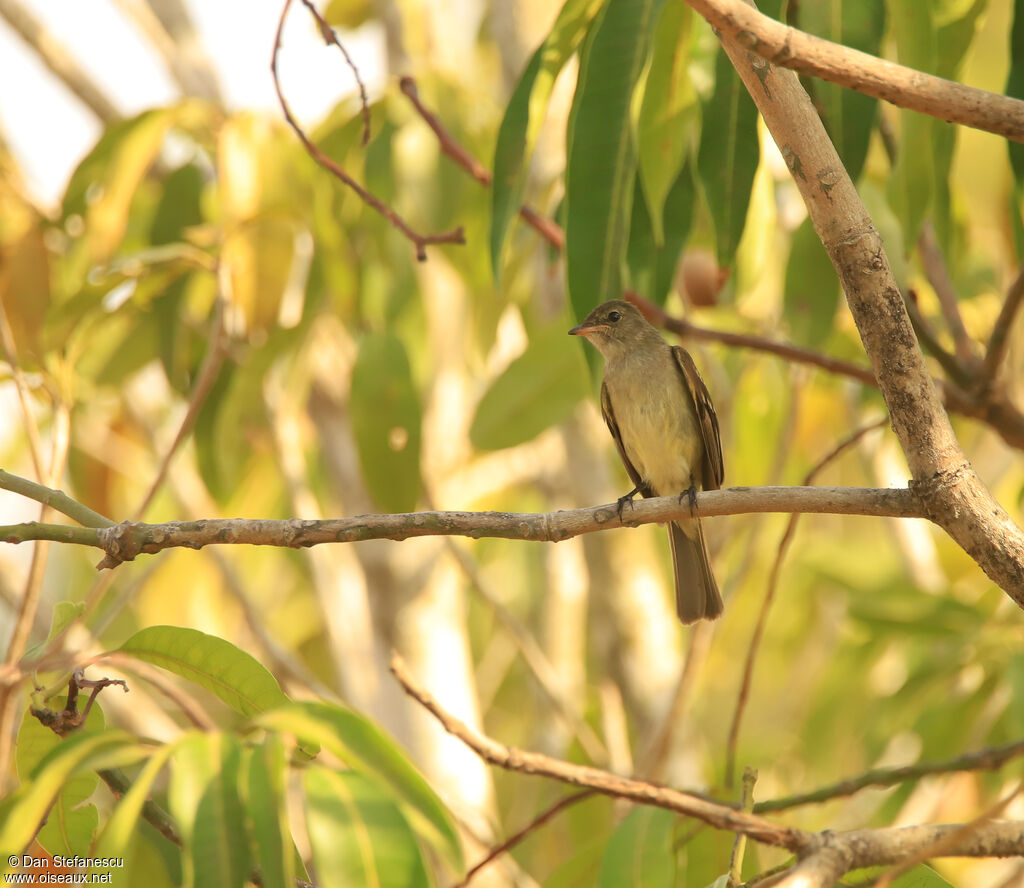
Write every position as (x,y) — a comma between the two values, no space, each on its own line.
(613,427)
(713,471)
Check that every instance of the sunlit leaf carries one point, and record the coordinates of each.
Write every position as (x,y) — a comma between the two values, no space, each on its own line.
(25,283)
(365,747)
(258,258)
(640,851)
(256,168)
(264,789)
(537,390)
(848,115)
(213,663)
(669,114)
(358,834)
(70,825)
(912,183)
(75,754)
(386,419)
(601,164)
(525,114)
(812,288)
(728,157)
(204,799)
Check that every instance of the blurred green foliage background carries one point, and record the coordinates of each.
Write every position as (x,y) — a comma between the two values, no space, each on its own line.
(203,273)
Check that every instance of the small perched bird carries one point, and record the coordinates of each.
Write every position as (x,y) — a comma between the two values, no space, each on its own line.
(660,414)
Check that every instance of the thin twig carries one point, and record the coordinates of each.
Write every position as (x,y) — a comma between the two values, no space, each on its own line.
(930,340)
(419,241)
(988,759)
(330,36)
(769,596)
(795,353)
(1000,336)
(208,372)
(55,499)
(550,230)
(715,814)
(739,845)
(868,74)
(525,832)
(938,276)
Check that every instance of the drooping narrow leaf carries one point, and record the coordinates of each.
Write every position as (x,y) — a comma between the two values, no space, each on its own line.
(652,268)
(848,115)
(912,183)
(525,114)
(812,289)
(669,112)
(385,411)
(264,788)
(359,837)
(1015,85)
(235,676)
(728,156)
(601,157)
(366,748)
(204,799)
(640,852)
(538,389)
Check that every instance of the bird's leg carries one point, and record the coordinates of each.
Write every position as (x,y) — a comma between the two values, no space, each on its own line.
(691,495)
(628,498)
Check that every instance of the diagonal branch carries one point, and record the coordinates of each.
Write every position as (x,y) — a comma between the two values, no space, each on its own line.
(419,241)
(748,29)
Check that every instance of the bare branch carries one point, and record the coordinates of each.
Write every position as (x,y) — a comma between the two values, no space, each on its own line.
(124,541)
(904,87)
(712,813)
(419,241)
(999,339)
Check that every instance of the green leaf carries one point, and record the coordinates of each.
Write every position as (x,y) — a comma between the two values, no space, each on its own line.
(258,259)
(537,390)
(70,825)
(63,613)
(812,288)
(366,748)
(849,116)
(117,835)
(922,876)
(652,268)
(912,183)
(1015,88)
(669,113)
(358,835)
(521,124)
(728,157)
(203,796)
(640,852)
(234,676)
(264,789)
(385,410)
(601,161)
(26,807)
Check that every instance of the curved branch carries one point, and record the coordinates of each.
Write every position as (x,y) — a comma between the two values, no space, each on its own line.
(951,492)
(901,86)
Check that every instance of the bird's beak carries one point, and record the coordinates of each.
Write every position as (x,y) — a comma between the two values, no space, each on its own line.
(585,330)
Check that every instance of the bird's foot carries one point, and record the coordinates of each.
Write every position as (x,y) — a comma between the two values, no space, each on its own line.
(628,498)
(691,495)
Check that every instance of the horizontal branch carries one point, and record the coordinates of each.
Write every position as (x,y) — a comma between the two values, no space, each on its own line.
(124,541)
(901,86)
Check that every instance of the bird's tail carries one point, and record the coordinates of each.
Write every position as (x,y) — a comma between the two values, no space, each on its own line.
(697,595)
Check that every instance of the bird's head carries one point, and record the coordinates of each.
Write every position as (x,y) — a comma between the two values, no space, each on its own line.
(614,328)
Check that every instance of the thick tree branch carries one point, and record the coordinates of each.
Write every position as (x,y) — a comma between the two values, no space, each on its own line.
(124,541)
(748,29)
(951,492)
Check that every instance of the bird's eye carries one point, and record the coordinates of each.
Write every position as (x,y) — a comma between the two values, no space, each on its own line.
(613,316)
